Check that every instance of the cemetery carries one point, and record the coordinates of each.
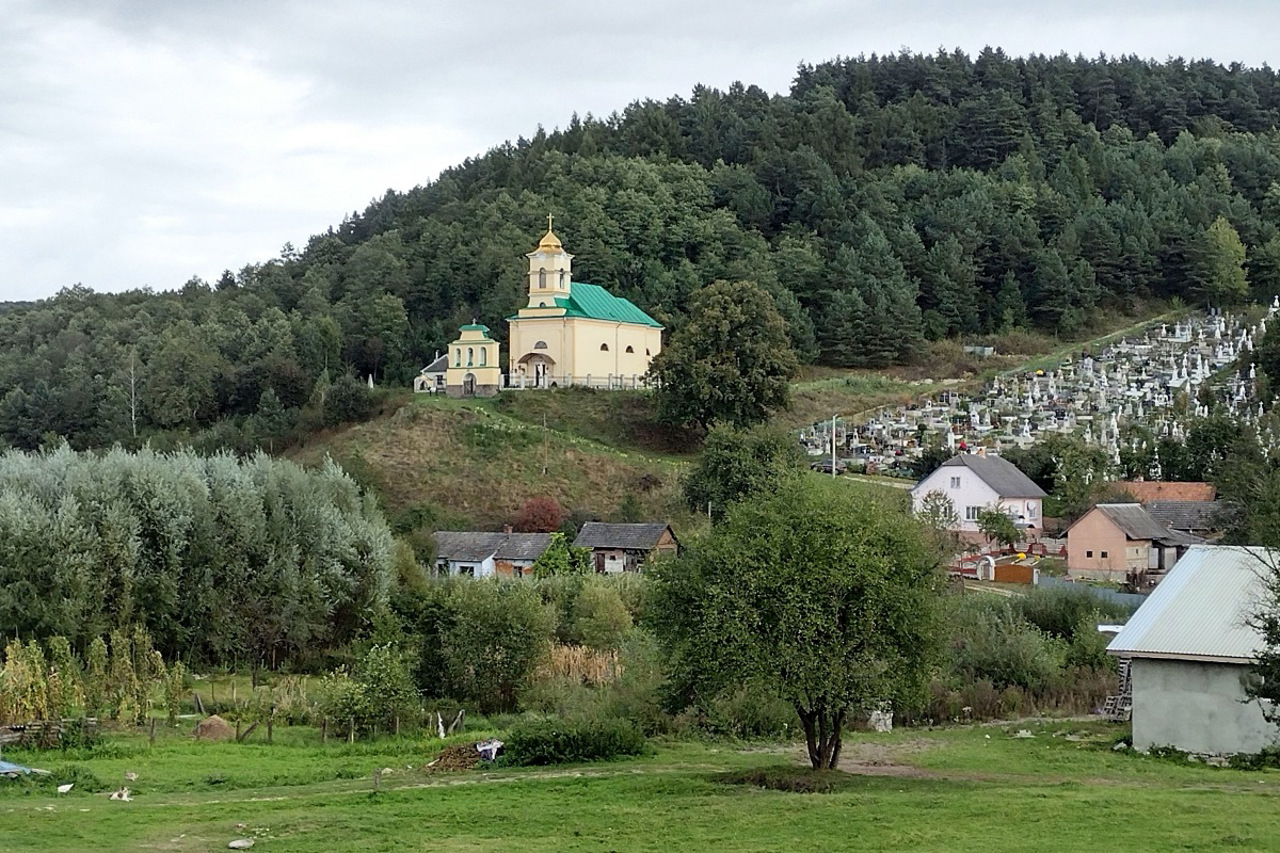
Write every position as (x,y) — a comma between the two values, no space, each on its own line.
(1159,381)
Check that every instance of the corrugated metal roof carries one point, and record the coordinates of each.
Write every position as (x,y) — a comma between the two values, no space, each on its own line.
(1199,610)
(1003,476)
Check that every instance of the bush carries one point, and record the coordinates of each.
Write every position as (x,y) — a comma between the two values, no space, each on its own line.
(600,618)
(544,742)
(1062,612)
(989,640)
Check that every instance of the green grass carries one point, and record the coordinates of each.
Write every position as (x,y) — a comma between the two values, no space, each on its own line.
(964,789)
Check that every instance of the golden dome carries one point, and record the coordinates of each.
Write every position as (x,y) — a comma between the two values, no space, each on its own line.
(550,243)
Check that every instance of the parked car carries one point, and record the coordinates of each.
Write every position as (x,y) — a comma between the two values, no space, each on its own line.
(825,467)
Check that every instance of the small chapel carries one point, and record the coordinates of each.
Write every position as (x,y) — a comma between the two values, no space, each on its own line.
(569,333)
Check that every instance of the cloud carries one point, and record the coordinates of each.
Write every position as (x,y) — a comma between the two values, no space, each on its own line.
(144,142)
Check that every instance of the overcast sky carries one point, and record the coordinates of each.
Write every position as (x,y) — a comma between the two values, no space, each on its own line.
(146,141)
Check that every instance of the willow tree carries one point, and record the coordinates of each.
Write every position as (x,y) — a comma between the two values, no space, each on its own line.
(823,592)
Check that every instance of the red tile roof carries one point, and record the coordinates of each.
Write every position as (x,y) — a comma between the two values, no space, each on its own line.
(1150,490)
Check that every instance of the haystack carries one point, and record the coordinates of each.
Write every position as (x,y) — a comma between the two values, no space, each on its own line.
(214,728)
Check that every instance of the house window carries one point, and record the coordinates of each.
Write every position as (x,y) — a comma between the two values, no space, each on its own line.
(631,349)
(604,348)
(1088,555)
(542,278)
(971,513)
(1102,554)
(466,571)
(540,345)
(955,482)
(1031,510)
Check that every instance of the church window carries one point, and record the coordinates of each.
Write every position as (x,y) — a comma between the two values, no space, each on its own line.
(542,278)
(646,350)
(540,345)
(484,356)
(457,357)
(631,349)
(471,356)
(542,305)
(604,348)
(562,275)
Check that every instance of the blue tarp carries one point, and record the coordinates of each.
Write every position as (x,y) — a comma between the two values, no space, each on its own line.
(8,768)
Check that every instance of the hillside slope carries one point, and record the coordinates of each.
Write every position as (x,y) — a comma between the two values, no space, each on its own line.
(471,464)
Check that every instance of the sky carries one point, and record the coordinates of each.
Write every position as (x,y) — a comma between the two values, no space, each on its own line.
(143,142)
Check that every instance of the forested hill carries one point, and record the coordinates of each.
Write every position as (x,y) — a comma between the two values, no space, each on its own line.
(884,201)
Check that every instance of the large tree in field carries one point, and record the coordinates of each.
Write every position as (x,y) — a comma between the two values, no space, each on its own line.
(824,592)
(731,361)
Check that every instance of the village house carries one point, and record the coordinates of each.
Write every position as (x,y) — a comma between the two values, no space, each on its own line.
(625,547)
(1189,649)
(1121,541)
(973,482)
(431,379)
(483,554)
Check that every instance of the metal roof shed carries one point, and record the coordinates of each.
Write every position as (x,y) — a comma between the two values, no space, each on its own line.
(1190,646)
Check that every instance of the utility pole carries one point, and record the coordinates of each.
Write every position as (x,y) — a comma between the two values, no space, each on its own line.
(833,447)
(544,441)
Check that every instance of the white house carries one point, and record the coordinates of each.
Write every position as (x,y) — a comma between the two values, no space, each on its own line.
(974,482)
(483,554)
(1190,648)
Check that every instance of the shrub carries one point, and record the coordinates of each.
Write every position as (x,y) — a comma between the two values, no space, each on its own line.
(562,741)
(1062,612)
(600,618)
(498,632)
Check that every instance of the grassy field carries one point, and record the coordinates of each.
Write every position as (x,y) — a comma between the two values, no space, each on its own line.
(957,789)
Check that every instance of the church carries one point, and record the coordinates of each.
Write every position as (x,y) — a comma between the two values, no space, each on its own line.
(569,333)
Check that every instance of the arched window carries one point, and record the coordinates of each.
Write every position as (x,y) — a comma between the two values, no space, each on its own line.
(484,356)
(542,278)
(471,356)
(604,348)
(562,276)
(542,305)
(631,349)
(646,350)
(457,357)
(540,345)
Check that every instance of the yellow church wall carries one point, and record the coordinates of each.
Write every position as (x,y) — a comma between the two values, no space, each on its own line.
(573,345)
(590,360)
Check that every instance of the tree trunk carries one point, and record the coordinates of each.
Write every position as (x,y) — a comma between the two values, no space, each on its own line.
(823,735)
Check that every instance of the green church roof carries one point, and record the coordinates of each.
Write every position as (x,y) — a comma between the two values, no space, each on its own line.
(474,327)
(596,303)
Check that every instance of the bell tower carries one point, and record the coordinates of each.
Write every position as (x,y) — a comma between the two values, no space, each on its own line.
(550,271)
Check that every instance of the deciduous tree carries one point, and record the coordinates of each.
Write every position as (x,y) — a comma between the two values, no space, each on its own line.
(819,591)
